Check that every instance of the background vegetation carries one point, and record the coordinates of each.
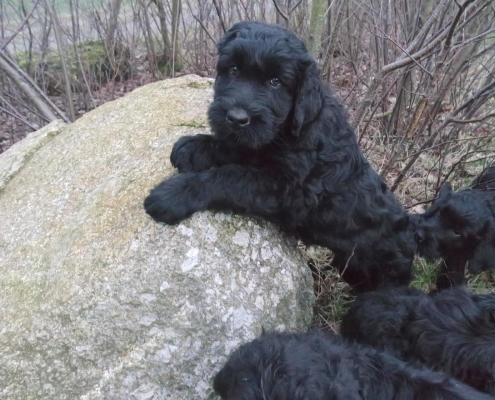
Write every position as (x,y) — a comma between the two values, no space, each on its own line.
(417,76)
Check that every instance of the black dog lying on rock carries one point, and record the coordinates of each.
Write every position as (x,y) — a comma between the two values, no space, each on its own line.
(450,331)
(314,366)
(460,227)
(282,149)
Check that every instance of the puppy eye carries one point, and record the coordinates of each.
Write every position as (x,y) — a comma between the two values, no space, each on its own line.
(457,232)
(233,70)
(275,82)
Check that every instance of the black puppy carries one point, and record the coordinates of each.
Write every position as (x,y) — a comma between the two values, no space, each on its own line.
(486,180)
(313,366)
(282,149)
(460,227)
(450,331)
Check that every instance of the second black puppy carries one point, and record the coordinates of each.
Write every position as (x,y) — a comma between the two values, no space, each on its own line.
(313,366)
(451,331)
(282,149)
(460,227)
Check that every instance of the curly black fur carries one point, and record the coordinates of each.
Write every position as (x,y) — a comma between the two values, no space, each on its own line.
(282,149)
(314,366)
(460,227)
(450,331)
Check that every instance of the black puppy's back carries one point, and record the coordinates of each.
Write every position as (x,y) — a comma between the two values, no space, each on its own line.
(451,331)
(314,366)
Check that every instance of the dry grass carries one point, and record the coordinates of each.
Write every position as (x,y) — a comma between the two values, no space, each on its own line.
(332,294)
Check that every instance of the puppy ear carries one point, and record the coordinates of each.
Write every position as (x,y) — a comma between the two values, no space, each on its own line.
(308,101)
(224,381)
(484,255)
(230,35)
(445,191)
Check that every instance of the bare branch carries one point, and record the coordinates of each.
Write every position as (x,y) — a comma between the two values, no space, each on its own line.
(26,19)
(471,121)
(204,28)
(405,60)
(434,134)
(282,14)
(445,143)
(63,60)
(219,13)
(26,89)
(421,202)
(297,5)
(461,10)
(19,117)
(327,65)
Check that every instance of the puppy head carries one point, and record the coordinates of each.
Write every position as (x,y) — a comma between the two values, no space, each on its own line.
(458,224)
(267,85)
(253,372)
(486,180)
(375,258)
(380,263)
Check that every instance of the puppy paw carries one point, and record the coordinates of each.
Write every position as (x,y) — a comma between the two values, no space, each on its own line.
(192,153)
(175,199)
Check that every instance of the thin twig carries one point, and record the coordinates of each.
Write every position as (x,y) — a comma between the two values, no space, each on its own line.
(349,259)
(442,126)
(219,13)
(361,134)
(297,5)
(19,117)
(458,16)
(445,143)
(406,54)
(454,166)
(280,11)
(204,28)
(406,59)
(471,121)
(420,202)
(26,19)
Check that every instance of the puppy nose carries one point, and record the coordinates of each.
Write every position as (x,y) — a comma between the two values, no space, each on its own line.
(238,118)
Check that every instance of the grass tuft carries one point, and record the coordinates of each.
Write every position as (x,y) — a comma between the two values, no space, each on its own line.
(333,295)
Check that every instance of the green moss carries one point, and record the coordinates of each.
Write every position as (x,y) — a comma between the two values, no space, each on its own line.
(200,85)
(94,61)
(165,68)
(193,124)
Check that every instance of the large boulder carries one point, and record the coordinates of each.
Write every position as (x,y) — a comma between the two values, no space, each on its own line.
(97,301)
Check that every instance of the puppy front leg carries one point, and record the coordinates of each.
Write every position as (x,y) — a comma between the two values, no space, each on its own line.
(201,152)
(451,273)
(232,187)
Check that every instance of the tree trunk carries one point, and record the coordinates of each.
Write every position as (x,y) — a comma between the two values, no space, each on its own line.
(328,63)
(176,8)
(316,26)
(26,88)
(110,33)
(63,59)
(163,28)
